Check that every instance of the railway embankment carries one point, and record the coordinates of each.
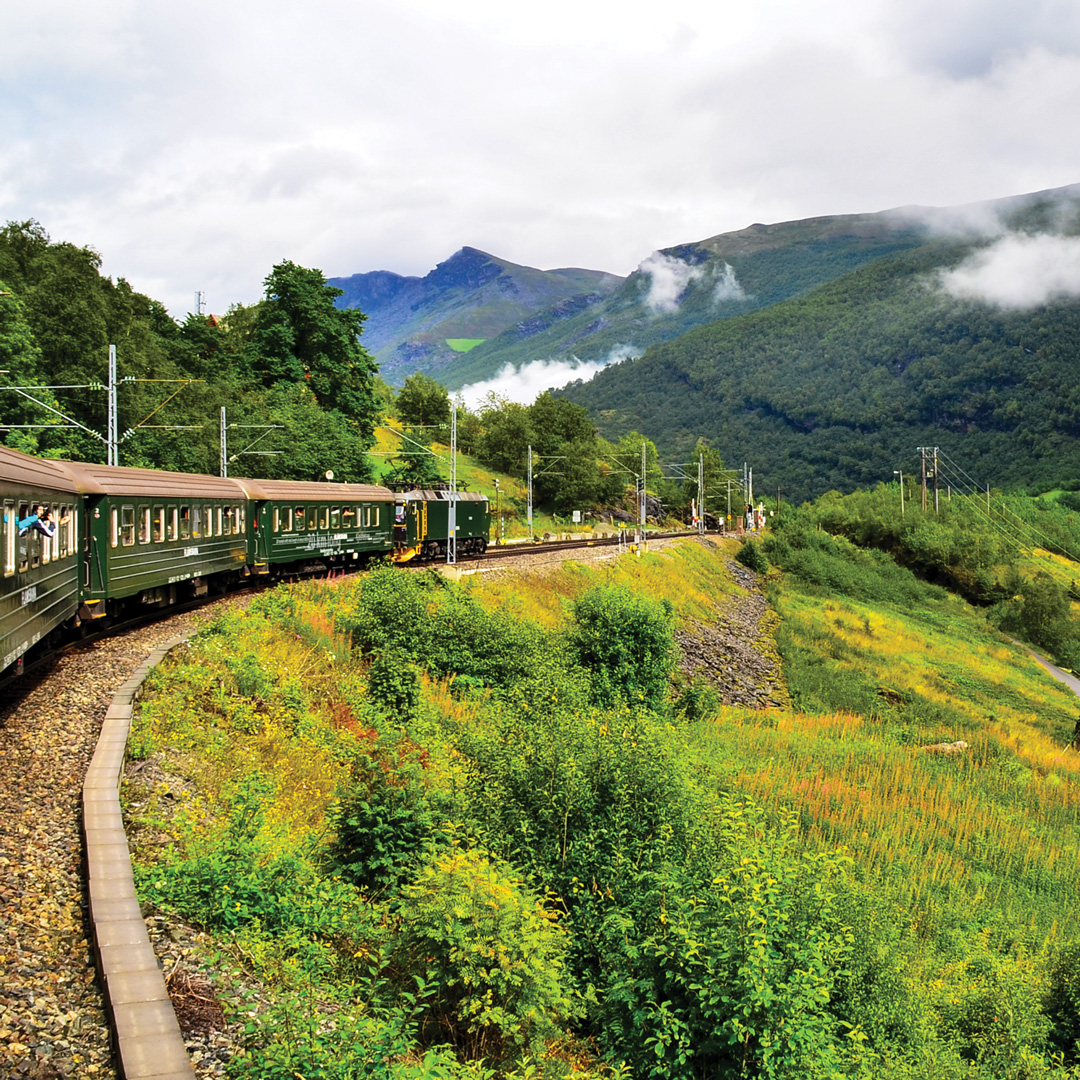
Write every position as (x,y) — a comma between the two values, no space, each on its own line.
(53,1019)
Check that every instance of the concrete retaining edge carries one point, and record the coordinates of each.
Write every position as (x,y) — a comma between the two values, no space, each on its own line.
(146,1034)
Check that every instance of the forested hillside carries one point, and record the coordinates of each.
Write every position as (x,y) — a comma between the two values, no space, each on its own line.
(836,389)
(291,364)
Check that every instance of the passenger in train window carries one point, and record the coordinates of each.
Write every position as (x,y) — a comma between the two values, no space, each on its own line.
(41,519)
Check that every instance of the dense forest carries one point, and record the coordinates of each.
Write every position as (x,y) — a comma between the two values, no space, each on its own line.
(837,388)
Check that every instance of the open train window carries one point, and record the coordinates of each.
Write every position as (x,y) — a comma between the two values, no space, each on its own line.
(286,518)
(159,525)
(277,520)
(11,531)
(144,524)
(24,538)
(300,519)
(196,522)
(240,519)
(114,527)
(217,514)
(348,517)
(67,530)
(335,517)
(174,524)
(127,526)
(324,517)
(185,522)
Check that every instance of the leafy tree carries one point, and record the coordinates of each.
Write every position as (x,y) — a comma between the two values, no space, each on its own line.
(422,403)
(300,336)
(507,435)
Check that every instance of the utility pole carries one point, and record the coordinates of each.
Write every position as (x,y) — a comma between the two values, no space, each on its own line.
(112,454)
(641,538)
(935,481)
(701,492)
(451,514)
(922,452)
(200,301)
(900,473)
(530,494)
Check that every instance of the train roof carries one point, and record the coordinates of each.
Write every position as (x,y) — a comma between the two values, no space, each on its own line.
(315,491)
(427,495)
(22,470)
(94,479)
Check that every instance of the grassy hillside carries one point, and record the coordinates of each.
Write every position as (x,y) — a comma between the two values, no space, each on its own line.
(445,840)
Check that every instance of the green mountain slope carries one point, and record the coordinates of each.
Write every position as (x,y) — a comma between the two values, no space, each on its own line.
(836,389)
(684,287)
(472,295)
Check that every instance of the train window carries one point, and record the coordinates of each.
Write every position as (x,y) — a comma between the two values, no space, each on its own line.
(300,520)
(174,524)
(324,517)
(67,530)
(241,519)
(127,526)
(348,517)
(24,538)
(286,518)
(196,522)
(375,515)
(335,517)
(114,528)
(144,524)
(185,522)
(11,531)
(277,520)
(159,525)
(217,513)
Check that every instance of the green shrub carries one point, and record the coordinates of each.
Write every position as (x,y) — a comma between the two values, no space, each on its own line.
(626,643)
(752,557)
(490,953)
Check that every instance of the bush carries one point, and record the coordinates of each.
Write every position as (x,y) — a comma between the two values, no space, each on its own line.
(752,557)
(626,643)
(490,952)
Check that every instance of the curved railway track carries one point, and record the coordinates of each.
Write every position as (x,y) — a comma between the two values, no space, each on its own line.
(54,1019)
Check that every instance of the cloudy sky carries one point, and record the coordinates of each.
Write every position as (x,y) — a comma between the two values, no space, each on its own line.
(196,144)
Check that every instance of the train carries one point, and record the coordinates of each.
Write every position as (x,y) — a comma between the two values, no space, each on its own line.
(116,539)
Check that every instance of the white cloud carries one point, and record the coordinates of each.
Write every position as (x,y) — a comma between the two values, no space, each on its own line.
(728,287)
(524,385)
(669,279)
(1019,271)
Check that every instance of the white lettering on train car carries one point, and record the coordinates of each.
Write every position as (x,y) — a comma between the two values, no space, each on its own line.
(190,551)
(29,595)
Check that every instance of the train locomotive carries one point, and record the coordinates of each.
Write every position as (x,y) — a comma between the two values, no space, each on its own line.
(114,539)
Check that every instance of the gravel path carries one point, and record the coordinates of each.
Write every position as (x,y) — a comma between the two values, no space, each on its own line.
(52,1021)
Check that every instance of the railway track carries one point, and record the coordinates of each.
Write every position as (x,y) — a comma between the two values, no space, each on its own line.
(53,1017)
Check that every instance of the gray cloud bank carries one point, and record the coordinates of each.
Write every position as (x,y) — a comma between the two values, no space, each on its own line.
(196,145)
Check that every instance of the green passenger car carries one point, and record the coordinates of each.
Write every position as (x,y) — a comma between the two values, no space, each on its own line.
(422,524)
(304,527)
(39,585)
(157,537)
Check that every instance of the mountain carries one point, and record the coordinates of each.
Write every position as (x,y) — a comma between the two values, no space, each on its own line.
(961,337)
(427,323)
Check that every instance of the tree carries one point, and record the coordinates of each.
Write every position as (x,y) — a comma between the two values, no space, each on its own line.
(300,336)
(424,403)
(507,435)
